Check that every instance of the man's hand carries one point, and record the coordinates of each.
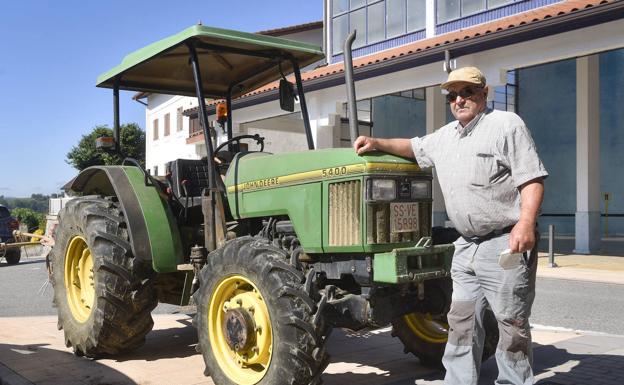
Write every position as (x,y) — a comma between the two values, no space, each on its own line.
(399,146)
(364,144)
(522,237)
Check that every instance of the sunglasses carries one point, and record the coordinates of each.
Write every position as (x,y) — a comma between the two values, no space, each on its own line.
(465,93)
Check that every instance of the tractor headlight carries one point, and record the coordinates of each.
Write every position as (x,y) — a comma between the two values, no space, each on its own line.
(383,189)
(421,189)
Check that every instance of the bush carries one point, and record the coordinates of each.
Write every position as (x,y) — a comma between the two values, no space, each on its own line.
(30,217)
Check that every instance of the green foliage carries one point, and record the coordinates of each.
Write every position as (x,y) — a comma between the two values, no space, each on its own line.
(36,202)
(31,218)
(85,154)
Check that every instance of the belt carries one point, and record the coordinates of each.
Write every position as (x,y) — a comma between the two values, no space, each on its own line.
(488,236)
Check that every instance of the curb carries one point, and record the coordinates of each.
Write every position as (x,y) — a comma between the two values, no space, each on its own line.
(9,377)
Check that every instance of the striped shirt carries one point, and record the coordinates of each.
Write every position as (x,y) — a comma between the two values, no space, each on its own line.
(480,167)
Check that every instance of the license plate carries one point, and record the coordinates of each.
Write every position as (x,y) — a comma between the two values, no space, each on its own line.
(403,217)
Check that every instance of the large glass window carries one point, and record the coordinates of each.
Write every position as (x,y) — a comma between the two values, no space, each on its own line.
(375,20)
(357,22)
(416,15)
(395,17)
(376,28)
(448,10)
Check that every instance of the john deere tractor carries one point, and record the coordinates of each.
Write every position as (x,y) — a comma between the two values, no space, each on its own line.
(274,250)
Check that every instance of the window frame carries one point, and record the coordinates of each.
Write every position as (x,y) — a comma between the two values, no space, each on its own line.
(365,6)
(462,16)
(167,124)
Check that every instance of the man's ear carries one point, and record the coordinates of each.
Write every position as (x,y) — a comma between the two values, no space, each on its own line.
(486,91)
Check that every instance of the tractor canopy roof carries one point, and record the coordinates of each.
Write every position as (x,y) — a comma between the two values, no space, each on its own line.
(227,58)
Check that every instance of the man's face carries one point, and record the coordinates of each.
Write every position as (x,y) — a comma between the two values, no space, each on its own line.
(469,100)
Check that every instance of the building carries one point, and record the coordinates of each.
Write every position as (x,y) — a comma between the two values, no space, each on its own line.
(559,64)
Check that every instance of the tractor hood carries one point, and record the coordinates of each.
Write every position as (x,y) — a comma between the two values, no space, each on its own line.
(256,171)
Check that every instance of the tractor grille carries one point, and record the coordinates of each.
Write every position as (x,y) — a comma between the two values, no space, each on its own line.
(344,213)
(378,224)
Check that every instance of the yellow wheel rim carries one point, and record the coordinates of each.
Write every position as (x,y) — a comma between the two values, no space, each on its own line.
(247,365)
(426,328)
(79,281)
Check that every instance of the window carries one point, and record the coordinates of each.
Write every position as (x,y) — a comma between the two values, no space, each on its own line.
(194,126)
(167,124)
(155,129)
(448,10)
(395,19)
(374,20)
(416,15)
(179,120)
(376,23)
(155,170)
(504,97)
(400,114)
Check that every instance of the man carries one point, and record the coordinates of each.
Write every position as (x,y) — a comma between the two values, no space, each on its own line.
(492,181)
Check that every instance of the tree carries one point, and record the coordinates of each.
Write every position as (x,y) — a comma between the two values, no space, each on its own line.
(31,218)
(85,154)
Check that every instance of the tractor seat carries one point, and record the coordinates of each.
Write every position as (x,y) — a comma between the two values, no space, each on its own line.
(188,178)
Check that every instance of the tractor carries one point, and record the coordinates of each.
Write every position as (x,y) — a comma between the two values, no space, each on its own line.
(274,250)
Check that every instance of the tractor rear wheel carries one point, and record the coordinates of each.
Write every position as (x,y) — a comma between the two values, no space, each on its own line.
(12,256)
(103,294)
(256,322)
(425,335)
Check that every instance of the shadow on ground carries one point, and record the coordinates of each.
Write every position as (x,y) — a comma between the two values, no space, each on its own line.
(67,369)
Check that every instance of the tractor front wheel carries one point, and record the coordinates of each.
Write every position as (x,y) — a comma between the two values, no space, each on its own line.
(425,334)
(256,322)
(103,294)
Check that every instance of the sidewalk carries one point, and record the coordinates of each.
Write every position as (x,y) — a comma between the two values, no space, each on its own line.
(606,267)
(32,352)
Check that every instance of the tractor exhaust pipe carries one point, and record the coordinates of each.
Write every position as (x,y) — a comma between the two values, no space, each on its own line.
(350,83)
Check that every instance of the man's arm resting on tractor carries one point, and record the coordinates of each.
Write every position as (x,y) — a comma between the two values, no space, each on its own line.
(522,237)
(399,146)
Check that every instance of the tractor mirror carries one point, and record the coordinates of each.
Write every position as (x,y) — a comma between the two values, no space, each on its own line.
(286,95)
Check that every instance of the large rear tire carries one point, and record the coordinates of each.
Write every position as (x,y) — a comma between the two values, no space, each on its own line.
(425,335)
(103,294)
(255,320)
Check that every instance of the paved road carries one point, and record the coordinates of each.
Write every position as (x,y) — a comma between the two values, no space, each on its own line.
(579,305)
(24,290)
(587,306)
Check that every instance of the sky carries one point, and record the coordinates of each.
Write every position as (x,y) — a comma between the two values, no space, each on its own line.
(51,53)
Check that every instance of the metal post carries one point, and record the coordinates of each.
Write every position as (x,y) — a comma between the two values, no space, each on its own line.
(228,103)
(116,127)
(211,236)
(551,244)
(302,103)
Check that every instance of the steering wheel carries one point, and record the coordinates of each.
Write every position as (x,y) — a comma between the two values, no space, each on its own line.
(259,140)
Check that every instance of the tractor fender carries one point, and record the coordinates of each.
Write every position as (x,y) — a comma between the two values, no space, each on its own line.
(153,230)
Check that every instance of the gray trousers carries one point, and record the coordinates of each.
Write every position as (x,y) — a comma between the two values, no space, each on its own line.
(478,281)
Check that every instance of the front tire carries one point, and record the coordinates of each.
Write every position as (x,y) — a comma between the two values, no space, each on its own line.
(256,322)
(103,294)
(12,256)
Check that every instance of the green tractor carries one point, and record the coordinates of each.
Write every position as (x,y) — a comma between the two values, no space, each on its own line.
(274,250)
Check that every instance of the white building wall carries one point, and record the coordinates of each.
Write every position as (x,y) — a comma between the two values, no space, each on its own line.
(167,148)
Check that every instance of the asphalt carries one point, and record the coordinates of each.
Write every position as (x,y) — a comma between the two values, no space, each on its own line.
(32,350)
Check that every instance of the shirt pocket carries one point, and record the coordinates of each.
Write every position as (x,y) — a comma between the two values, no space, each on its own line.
(485,166)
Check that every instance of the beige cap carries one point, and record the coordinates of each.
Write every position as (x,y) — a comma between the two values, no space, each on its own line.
(465,75)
